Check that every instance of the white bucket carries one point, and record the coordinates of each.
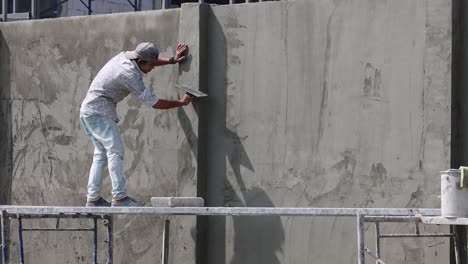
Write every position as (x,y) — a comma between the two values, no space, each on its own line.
(454,199)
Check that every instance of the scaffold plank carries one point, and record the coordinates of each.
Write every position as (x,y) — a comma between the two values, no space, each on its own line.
(226,211)
(439,220)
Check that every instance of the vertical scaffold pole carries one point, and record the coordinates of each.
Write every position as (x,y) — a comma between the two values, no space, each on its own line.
(95,231)
(33,9)
(109,239)
(377,241)
(5,10)
(20,238)
(360,236)
(5,226)
(456,246)
(165,243)
(56,8)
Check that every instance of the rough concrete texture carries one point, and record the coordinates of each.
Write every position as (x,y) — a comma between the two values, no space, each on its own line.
(311,103)
(52,63)
(325,104)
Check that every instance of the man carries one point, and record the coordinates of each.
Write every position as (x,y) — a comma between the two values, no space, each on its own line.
(121,76)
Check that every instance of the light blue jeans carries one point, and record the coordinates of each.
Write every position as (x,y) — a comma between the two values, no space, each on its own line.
(108,150)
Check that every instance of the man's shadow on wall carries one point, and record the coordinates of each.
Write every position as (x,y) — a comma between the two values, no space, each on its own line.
(256,239)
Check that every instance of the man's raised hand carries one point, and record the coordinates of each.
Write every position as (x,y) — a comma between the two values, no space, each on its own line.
(181,48)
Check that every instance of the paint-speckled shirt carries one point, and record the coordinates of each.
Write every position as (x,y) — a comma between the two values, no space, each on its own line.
(117,79)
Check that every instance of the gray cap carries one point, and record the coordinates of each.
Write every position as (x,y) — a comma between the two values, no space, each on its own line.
(145,51)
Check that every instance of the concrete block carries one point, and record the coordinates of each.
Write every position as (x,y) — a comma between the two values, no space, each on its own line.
(177,201)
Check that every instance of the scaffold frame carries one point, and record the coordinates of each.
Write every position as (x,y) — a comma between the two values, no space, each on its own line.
(362,215)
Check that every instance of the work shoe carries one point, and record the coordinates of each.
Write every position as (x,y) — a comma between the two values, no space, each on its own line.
(101,202)
(127,202)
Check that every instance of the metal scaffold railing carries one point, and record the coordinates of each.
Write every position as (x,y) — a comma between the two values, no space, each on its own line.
(54,6)
(362,215)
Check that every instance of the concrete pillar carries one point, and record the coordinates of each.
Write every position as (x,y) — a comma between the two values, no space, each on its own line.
(459,144)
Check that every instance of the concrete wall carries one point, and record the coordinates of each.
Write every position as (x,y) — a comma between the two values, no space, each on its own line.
(312,103)
(45,154)
(324,104)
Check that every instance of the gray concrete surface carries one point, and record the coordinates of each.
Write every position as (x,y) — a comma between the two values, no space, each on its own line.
(52,63)
(328,104)
(311,104)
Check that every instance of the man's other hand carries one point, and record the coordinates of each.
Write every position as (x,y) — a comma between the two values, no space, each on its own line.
(186,99)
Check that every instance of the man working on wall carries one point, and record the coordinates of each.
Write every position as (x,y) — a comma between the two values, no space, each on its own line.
(121,76)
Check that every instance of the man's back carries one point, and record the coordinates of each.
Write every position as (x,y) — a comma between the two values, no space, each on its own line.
(119,77)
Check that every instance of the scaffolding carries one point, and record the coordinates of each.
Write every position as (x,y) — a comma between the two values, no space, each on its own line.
(33,14)
(105,214)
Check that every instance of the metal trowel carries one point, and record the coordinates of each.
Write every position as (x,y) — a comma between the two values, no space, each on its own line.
(190,91)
